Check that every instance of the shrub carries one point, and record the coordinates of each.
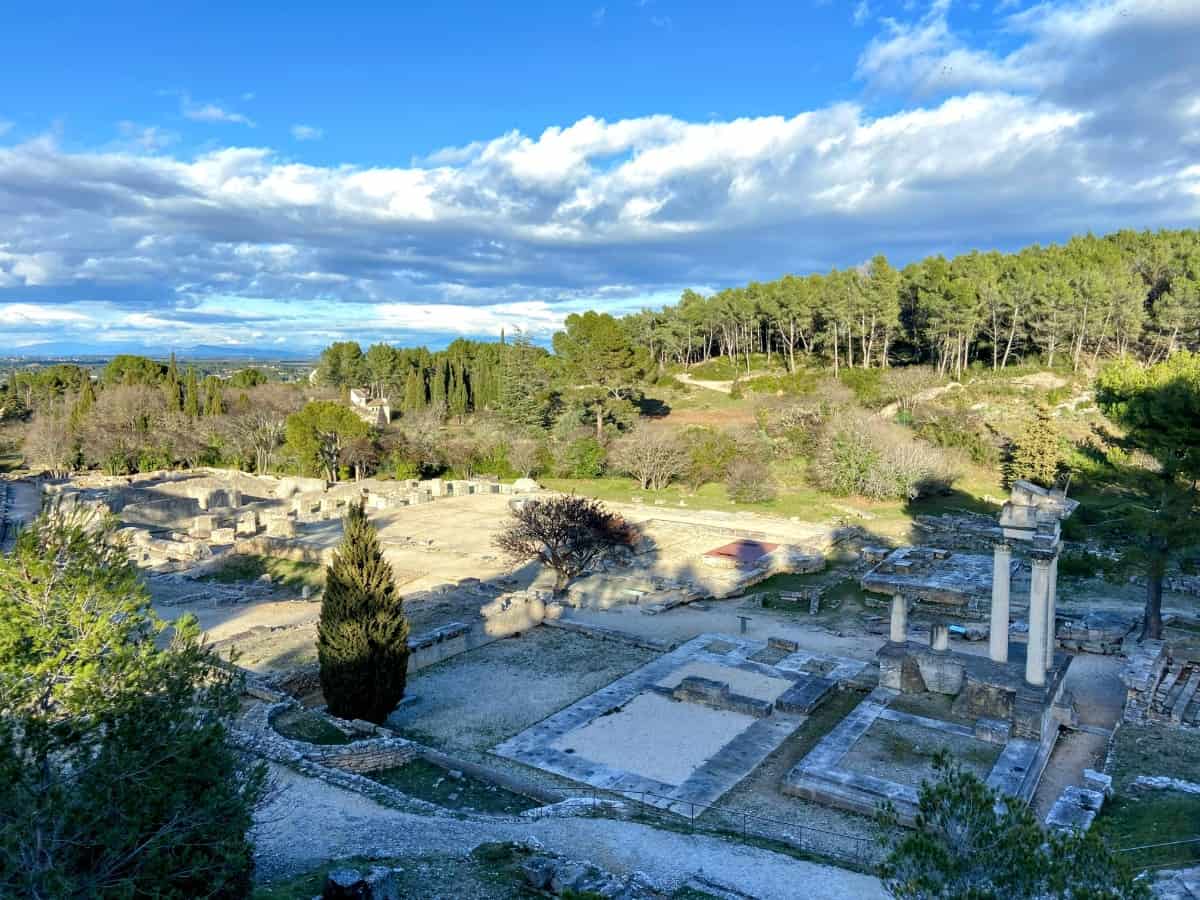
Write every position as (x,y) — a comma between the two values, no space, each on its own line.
(957,431)
(801,383)
(877,460)
(582,458)
(749,481)
(710,453)
(867,385)
(653,456)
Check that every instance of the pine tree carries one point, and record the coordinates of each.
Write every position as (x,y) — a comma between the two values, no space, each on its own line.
(362,636)
(1037,453)
(191,394)
(83,405)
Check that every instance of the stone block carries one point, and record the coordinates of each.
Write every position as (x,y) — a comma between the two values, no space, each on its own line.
(784,644)
(899,670)
(1097,781)
(222,536)
(992,731)
(247,525)
(280,526)
(941,672)
(202,526)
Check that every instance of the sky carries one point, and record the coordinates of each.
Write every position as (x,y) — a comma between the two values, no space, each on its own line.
(280,176)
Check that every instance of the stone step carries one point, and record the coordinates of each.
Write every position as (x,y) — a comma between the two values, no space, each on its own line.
(805,696)
(1185,696)
(1172,682)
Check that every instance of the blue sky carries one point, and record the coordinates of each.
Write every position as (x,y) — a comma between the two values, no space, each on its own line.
(181,174)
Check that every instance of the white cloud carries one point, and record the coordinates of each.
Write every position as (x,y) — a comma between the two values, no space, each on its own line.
(307,133)
(211,112)
(862,12)
(1027,146)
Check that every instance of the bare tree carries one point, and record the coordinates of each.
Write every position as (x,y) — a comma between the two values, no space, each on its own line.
(566,533)
(525,456)
(120,424)
(49,443)
(653,456)
(256,424)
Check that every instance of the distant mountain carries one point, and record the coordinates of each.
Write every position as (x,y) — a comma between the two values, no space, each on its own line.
(81,350)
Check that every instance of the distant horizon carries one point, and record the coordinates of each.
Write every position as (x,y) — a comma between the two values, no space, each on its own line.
(451,171)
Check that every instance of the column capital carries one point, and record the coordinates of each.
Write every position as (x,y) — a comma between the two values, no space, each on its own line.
(1002,544)
(1043,557)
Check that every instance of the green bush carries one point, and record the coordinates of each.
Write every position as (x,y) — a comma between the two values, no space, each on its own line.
(863,456)
(867,385)
(151,459)
(582,458)
(1082,564)
(801,383)
(710,453)
(956,430)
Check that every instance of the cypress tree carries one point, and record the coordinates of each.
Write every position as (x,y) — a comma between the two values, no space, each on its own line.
(458,399)
(191,394)
(171,386)
(414,391)
(213,403)
(1037,453)
(362,635)
(437,391)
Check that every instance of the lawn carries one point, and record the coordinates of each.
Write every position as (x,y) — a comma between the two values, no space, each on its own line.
(305,725)
(286,572)
(1138,818)
(431,783)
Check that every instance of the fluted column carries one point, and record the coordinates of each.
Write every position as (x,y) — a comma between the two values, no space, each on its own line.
(1051,611)
(899,619)
(1001,583)
(1039,598)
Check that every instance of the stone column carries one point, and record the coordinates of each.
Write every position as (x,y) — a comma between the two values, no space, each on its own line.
(1001,578)
(1051,611)
(939,638)
(899,619)
(1039,597)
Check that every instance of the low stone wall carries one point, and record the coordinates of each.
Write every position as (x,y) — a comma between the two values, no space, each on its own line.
(373,755)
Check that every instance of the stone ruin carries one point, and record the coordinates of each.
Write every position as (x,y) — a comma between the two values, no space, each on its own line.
(1160,689)
(177,520)
(1015,696)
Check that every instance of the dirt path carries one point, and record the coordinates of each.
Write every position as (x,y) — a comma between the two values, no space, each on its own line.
(309,822)
(1099,696)
(723,387)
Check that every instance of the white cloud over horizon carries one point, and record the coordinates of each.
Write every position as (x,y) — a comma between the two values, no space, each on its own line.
(997,149)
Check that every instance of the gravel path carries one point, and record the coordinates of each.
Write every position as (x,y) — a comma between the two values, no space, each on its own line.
(308,822)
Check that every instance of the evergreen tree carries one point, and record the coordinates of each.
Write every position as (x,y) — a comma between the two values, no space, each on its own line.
(414,391)
(171,386)
(437,390)
(362,636)
(459,398)
(213,402)
(524,390)
(1037,453)
(83,405)
(191,395)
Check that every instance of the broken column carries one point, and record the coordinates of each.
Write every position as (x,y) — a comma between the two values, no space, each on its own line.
(1001,583)
(939,638)
(1039,597)
(899,633)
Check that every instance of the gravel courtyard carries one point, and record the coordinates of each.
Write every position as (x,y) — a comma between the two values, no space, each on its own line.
(478,699)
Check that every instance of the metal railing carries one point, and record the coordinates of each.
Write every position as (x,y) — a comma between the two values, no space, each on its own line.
(863,851)
(1165,854)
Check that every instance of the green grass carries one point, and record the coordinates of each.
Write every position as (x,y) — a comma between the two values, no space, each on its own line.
(10,462)
(1134,819)
(431,783)
(289,573)
(305,725)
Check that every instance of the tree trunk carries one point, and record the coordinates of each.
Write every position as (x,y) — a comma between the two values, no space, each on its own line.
(600,422)
(1152,623)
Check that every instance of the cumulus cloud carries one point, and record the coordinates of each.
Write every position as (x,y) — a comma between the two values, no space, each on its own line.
(307,133)
(1051,138)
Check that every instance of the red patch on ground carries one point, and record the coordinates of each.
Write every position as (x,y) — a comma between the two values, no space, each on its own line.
(743,551)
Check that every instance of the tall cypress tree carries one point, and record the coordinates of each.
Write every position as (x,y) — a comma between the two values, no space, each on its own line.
(191,394)
(171,386)
(362,636)
(414,391)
